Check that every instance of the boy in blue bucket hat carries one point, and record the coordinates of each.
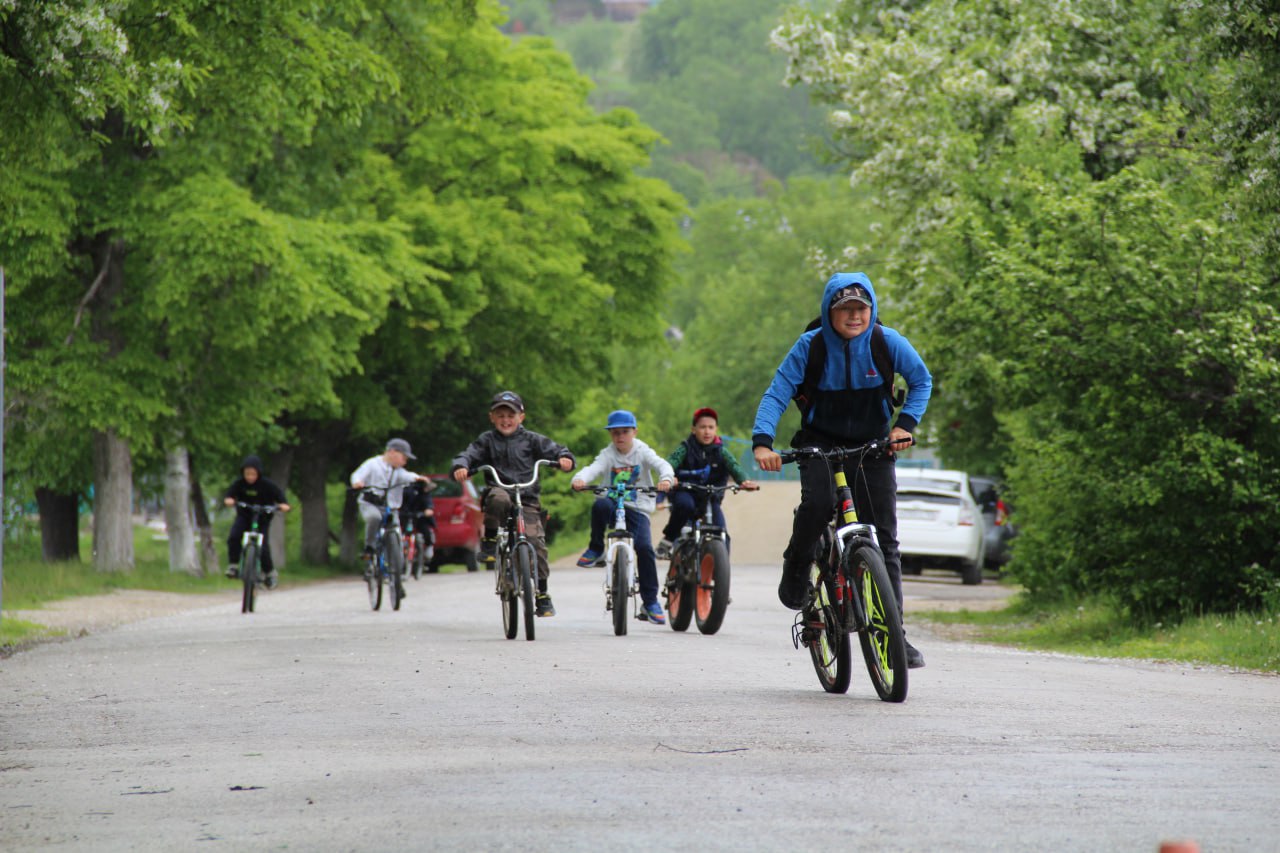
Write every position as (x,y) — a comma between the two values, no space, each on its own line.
(626,453)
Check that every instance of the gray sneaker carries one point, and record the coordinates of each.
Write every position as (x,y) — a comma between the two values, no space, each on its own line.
(270,579)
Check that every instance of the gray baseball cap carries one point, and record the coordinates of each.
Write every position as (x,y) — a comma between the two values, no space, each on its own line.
(401,445)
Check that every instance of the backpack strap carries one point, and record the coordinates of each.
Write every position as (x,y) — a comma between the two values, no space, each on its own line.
(817,362)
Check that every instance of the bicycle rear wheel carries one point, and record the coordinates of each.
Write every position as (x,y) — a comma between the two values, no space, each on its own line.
(828,642)
(249,577)
(508,592)
(883,644)
(621,591)
(713,585)
(680,593)
(525,562)
(393,548)
(419,551)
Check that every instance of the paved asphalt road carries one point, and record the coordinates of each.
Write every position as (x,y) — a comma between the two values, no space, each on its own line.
(316,724)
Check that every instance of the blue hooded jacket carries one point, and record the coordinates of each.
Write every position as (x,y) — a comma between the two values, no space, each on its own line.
(849,405)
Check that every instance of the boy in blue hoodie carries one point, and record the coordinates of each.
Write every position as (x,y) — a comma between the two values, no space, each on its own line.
(849,406)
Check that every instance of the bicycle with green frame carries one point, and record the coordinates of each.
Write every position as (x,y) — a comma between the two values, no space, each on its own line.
(851,592)
(251,553)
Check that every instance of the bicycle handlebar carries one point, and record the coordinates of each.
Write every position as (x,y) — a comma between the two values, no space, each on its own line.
(605,490)
(265,509)
(871,448)
(711,490)
(497,480)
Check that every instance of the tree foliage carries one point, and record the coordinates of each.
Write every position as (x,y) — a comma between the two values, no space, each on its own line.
(1092,298)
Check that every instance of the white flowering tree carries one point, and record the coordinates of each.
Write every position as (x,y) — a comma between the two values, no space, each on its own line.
(1091,298)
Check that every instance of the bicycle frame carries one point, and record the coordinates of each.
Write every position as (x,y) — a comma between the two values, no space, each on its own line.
(509,583)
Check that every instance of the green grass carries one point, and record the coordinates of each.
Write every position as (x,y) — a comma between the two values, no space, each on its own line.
(1099,629)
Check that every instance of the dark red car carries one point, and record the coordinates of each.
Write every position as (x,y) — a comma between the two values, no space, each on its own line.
(459,522)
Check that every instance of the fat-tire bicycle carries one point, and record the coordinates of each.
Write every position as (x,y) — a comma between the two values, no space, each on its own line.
(697,582)
(516,560)
(386,564)
(620,578)
(251,553)
(850,592)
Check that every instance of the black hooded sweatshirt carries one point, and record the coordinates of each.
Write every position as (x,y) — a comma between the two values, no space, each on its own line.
(263,491)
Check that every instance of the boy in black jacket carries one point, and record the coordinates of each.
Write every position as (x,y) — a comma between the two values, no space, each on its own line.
(513,451)
(252,488)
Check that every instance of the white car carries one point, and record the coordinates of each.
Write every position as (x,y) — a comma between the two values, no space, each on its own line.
(939,523)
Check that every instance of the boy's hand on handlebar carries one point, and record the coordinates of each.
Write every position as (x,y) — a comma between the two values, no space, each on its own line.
(664,485)
(578,485)
(566,464)
(283,507)
(357,485)
(461,474)
(767,459)
(749,486)
(900,439)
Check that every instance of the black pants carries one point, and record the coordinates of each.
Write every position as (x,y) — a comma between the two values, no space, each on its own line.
(875,497)
(233,543)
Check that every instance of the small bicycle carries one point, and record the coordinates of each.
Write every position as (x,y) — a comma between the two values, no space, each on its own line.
(251,553)
(698,580)
(387,563)
(851,592)
(418,537)
(620,579)
(516,558)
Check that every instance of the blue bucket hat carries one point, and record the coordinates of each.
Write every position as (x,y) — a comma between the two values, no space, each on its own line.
(620,419)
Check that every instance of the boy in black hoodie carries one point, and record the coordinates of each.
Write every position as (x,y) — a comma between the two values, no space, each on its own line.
(252,488)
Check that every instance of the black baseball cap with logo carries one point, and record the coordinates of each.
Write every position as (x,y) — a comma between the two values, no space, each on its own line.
(510,399)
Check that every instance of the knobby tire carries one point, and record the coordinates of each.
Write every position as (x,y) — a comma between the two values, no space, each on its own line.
(249,577)
(713,585)
(883,643)
(508,593)
(680,592)
(829,645)
(525,561)
(621,591)
(393,548)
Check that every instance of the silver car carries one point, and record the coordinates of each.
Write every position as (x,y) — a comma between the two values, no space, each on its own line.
(939,523)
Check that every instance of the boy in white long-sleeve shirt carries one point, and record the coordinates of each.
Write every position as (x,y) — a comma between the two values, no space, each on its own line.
(628,453)
(385,471)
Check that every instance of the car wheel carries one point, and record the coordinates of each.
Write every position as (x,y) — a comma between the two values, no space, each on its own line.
(971,573)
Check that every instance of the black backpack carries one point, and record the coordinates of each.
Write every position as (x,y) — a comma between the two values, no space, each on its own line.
(818,359)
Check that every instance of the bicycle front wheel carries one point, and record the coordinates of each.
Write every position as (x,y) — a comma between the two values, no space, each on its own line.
(883,644)
(509,593)
(374,581)
(621,591)
(393,550)
(713,585)
(419,549)
(828,642)
(525,561)
(680,593)
(249,577)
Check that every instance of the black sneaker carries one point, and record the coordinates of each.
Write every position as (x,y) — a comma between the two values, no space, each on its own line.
(270,579)
(233,572)
(544,606)
(664,549)
(488,551)
(915,660)
(793,590)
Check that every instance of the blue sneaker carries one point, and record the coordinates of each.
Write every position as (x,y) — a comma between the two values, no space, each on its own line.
(590,559)
(653,612)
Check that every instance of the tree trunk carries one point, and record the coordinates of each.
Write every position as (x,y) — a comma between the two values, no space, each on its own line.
(351,542)
(59,525)
(208,548)
(177,513)
(112,503)
(315,509)
(281,464)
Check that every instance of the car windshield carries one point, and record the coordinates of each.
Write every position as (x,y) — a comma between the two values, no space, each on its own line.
(447,488)
(917,482)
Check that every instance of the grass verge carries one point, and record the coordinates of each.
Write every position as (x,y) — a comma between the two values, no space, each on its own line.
(1099,629)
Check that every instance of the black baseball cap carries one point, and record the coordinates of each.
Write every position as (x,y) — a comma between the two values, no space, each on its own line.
(510,399)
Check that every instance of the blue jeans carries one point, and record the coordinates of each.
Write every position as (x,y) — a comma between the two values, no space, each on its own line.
(684,509)
(638,524)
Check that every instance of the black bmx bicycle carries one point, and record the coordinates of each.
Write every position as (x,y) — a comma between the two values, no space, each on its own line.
(851,592)
(516,558)
(697,582)
(386,565)
(251,553)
